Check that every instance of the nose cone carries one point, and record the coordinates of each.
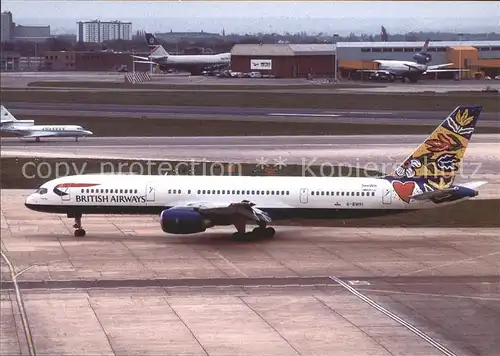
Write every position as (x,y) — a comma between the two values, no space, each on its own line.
(31,202)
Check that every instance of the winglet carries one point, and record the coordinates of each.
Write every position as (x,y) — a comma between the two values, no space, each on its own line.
(440,155)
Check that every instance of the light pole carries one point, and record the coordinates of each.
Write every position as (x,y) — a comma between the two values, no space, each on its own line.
(133,67)
(460,38)
(335,65)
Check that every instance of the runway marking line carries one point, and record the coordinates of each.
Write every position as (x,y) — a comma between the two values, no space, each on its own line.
(20,305)
(433,295)
(231,264)
(394,317)
(451,263)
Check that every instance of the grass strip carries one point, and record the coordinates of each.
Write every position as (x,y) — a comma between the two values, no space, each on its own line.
(338,101)
(194,126)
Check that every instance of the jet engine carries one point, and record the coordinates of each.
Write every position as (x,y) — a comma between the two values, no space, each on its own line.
(422,58)
(183,221)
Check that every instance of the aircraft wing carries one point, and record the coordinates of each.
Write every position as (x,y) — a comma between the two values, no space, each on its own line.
(438,66)
(244,208)
(376,71)
(445,70)
(36,133)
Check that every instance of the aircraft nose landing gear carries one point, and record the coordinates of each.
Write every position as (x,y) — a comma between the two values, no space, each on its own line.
(79,232)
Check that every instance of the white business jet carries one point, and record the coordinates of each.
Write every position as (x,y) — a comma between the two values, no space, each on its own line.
(28,129)
(192,204)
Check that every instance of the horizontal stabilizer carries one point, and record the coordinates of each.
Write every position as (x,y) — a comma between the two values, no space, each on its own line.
(147,62)
(439,193)
(473,185)
(143,58)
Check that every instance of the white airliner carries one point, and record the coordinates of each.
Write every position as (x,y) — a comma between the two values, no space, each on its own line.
(28,129)
(408,69)
(192,204)
(195,64)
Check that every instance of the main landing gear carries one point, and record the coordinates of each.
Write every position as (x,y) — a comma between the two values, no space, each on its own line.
(79,232)
(259,232)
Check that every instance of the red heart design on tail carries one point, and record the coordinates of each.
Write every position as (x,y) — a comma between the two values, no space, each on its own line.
(404,190)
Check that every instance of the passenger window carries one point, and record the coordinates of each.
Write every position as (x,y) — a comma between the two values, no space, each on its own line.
(357,194)
(253,192)
(322,193)
(342,193)
(170,191)
(257,192)
(213,191)
(125,191)
(121,191)
(105,190)
(81,191)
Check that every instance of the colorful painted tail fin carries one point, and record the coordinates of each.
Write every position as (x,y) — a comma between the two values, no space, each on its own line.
(439,157)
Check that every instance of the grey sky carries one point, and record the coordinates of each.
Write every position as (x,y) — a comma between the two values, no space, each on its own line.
(200,13)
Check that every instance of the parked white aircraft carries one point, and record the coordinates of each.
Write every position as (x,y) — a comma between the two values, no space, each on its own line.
(27,128)
(195,63)
(391,69)
(191,204)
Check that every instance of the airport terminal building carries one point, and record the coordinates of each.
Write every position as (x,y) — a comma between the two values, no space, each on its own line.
(476,56)
(481,58)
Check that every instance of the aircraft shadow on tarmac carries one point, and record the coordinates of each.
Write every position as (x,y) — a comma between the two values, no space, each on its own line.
(291,236)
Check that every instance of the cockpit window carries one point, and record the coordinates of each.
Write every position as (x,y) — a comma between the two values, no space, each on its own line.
(42,191)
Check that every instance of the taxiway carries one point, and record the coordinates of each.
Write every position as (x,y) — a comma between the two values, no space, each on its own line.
(236,113)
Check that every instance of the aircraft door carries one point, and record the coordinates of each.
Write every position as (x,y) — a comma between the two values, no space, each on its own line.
(304,195)
(65,193)
(387,196)
(150,193)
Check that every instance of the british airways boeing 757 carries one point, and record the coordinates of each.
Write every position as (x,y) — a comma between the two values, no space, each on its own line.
(192,204)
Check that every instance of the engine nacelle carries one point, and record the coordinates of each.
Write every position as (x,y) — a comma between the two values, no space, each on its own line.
(183,221)
(422,58)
